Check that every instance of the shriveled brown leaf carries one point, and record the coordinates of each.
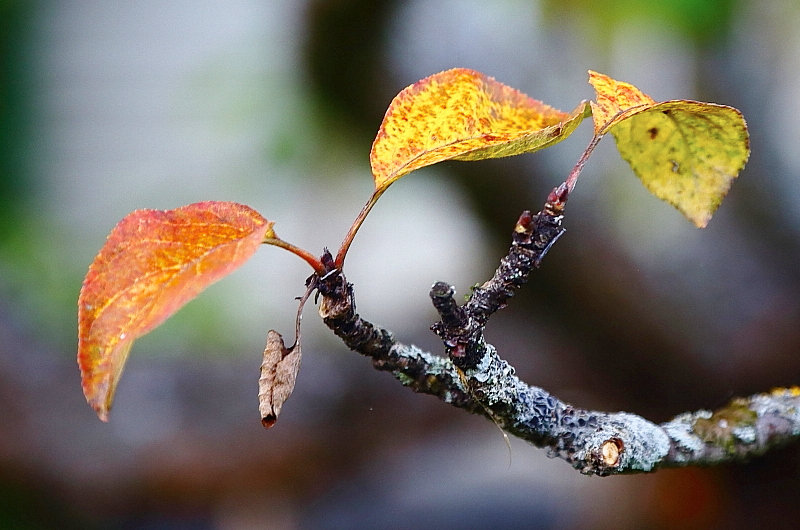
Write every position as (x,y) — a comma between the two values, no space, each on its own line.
(278,375)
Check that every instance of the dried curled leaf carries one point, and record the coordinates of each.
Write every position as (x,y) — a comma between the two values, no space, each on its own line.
(153,263)
(462,114)
(686,153)
(278,375)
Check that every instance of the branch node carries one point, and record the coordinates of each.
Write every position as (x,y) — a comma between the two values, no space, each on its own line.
(557,200)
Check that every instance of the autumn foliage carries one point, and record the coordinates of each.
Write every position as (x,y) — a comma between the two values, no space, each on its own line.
(151,265)
(685,152)
(463,115)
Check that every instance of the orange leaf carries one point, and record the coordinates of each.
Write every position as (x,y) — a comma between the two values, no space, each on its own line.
(153,263)
(462,114)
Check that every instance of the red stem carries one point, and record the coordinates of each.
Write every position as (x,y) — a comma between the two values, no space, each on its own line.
(309,258)
(351,234)
(572,178)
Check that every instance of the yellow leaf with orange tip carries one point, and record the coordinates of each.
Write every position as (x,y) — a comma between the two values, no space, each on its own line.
(462,114)
(614,100)
(686,153)
(153,263)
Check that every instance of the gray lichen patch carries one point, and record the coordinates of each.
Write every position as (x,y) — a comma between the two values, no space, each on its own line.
(685,443)
(645,444)
(728,426)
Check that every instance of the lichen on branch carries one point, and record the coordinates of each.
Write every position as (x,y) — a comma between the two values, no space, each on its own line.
(475,378)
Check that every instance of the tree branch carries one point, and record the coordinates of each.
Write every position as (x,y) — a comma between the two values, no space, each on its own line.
(476,379)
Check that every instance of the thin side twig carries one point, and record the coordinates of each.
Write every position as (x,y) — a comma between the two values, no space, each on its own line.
(475,378)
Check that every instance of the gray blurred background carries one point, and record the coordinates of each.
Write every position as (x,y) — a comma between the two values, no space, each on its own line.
(106,107)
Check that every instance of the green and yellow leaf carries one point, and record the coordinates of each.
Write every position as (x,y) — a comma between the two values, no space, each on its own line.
(686,153)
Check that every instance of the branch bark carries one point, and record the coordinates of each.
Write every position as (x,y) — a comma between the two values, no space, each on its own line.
(475,378)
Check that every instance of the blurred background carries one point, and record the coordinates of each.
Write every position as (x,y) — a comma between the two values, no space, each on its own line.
(106,107)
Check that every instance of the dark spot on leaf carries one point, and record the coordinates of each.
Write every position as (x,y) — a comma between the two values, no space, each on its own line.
(653,132)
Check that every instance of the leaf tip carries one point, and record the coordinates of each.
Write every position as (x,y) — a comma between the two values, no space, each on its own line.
(701,220)
(587,108)
(97,396)
(102,413)
(100,372)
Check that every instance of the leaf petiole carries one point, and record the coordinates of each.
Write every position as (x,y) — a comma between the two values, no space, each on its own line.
(351,234)
(572,178)
(307,256)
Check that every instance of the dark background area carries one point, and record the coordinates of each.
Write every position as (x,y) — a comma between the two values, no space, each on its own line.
(108,108)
